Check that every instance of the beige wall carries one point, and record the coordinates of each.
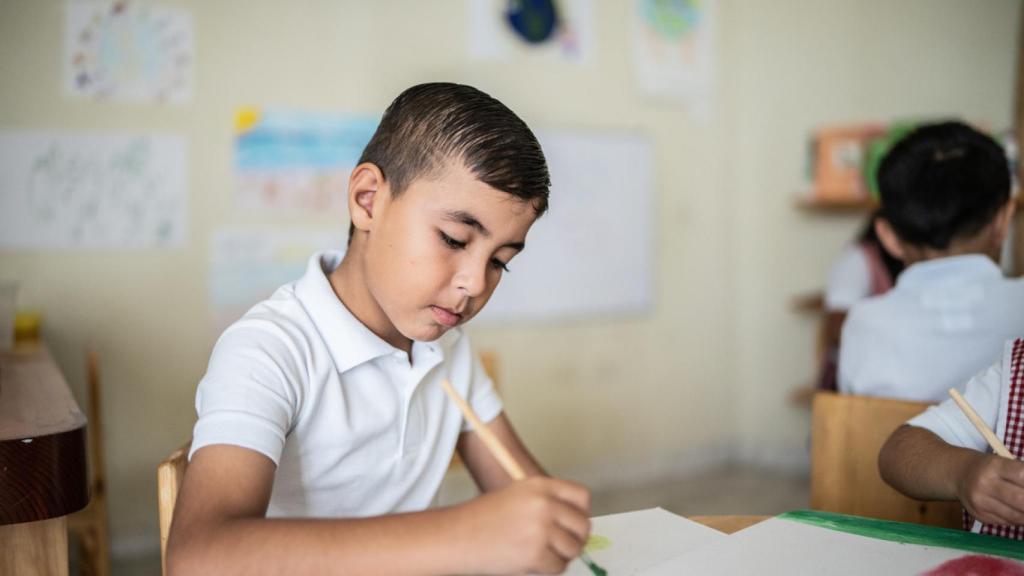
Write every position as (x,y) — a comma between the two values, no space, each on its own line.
(700,379)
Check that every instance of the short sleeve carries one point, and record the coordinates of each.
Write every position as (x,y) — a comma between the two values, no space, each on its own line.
(948,422)
(849,280)
(250,393)
(482,396)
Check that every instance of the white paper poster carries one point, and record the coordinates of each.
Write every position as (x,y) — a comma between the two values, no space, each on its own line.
(592,254)
(673,43)
(121,50)
(297,161)
(92,190)
(560,31)
(246,266)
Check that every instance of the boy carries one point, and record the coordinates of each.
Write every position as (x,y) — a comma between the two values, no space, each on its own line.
(940,455)
(945,210)
(323,430)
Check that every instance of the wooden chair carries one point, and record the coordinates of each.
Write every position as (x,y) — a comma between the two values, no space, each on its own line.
(847,433)
(91,524)
(169,475)
(171,471)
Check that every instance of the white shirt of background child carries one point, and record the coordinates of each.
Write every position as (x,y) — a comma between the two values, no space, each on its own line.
(354,428)
(945,320)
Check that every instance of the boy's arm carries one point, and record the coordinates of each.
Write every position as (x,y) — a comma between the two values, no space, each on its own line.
(484,467)
(219,528)
(921,465)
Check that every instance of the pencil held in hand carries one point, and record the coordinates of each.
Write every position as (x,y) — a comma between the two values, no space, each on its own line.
(508,463)
(997,446)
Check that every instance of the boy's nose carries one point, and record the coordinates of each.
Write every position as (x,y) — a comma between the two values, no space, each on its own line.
(472,280)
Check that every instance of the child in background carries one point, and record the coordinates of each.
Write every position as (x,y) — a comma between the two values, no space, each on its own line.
(940,455)
(945,210)
(864,269)
(323,429)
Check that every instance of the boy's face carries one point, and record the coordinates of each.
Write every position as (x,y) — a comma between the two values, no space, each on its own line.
(434,255)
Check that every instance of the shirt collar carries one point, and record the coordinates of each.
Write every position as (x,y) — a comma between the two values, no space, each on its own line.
(348,340)
(962,268)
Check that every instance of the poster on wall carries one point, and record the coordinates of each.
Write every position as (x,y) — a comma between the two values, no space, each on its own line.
(246,266)
(297,161)
(555,30)
(92,190)
(592,254)
(128,51)
(673,50)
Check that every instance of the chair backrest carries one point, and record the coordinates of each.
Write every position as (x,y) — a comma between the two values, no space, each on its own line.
(847,433)
(171,471)
(168,481)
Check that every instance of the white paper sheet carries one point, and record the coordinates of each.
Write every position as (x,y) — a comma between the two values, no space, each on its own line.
(490,38)
(592,254)
(92,190)
(674,51)
(297,161)
(641,539)
(784,547)
(246,266)
(121,50)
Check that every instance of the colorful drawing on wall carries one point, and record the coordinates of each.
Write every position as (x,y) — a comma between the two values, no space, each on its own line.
(75,191)
(127,51)
(557,30)
(535,21)
(246,266)
(673,48)
(297,161)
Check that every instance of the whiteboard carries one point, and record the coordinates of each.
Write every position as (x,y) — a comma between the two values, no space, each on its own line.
(592,254)
(92,190)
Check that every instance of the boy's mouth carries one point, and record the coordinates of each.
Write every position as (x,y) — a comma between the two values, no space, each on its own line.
(445,316)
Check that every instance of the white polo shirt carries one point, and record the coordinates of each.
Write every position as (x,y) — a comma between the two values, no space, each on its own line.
(849,280)
(948,422)
(354,429)
(945,320)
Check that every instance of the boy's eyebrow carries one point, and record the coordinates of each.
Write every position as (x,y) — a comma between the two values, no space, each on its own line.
(463,217)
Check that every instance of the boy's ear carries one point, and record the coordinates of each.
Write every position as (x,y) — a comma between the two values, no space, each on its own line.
(890,241)
(363,187)
(1003,219)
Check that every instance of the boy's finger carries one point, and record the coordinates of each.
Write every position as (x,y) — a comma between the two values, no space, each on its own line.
(991,510)
(572,493)
(565,544)
(1011,497)
(570,519)
(1013,472)
(551,563)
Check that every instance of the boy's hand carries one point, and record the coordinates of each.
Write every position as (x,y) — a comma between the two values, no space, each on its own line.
(992,489)
(535,525)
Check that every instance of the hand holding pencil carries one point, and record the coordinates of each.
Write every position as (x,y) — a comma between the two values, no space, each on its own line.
(558,508)
(991,487)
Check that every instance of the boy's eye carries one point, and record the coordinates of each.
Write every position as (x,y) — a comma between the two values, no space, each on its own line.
(451,242)
(499,265)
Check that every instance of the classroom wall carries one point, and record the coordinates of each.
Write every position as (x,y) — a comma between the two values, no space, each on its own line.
(698,380)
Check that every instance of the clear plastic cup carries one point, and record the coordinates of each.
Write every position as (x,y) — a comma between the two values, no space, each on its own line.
(8,306)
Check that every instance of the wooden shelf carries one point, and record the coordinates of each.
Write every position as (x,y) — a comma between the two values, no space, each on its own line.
(837,206)
(809,302)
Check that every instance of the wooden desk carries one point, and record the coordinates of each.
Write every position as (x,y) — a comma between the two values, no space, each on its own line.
(42,462)
(728,524)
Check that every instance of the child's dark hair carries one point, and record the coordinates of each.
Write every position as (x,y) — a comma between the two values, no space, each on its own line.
(943,182)
(430,124)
